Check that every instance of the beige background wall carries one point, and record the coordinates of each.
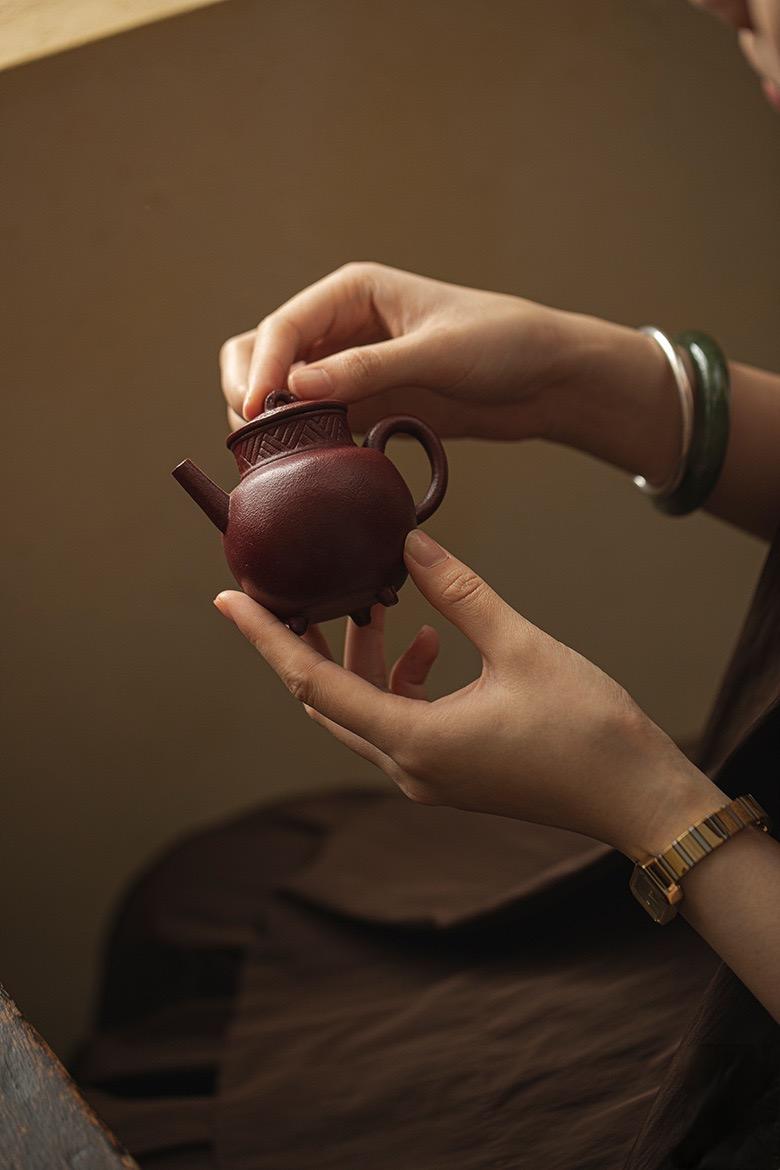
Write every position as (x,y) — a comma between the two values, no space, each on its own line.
(170,185)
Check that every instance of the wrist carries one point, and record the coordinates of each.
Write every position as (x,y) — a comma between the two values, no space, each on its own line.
(677,796)
(614,397)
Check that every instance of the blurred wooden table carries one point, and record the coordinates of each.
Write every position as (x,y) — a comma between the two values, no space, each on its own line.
(45,1124)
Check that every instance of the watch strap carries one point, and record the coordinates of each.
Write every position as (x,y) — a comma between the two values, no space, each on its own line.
(656,882)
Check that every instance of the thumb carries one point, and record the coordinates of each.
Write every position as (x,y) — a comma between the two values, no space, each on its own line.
(362,371)
(462,597)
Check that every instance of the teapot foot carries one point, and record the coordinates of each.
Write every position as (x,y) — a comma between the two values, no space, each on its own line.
(298,625)
(387,596)
(361,617)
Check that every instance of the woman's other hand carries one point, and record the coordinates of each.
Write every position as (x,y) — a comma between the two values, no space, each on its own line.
(542,735)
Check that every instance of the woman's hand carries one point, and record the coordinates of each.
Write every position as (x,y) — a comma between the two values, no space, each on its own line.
(472,362)
(542,735)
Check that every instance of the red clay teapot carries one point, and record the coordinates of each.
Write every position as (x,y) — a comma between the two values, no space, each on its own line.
(315,528)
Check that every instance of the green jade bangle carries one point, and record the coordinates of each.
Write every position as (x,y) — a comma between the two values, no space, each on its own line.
(710,425)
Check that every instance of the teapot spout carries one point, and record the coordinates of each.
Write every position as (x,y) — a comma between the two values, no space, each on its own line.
(204,492)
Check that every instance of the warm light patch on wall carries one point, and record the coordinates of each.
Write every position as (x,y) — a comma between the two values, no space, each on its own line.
(36,28)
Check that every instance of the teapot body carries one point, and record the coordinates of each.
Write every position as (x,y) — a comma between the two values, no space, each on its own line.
(315,528)
(319,534)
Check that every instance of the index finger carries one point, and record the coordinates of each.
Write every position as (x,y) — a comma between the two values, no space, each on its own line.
(234,358)
(376,716)
(338,304)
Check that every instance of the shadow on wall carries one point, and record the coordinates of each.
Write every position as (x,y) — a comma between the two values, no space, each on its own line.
(173,184)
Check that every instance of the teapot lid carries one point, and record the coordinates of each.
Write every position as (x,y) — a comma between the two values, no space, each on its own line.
(281,406)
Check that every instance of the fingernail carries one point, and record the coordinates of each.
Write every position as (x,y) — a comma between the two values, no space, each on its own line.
(219,602)
(311,383)
(420,547)
(246,409)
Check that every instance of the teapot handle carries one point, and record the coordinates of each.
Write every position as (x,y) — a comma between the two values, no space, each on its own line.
(401,424)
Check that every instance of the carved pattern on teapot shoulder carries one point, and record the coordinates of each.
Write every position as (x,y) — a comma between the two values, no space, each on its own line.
(328,429)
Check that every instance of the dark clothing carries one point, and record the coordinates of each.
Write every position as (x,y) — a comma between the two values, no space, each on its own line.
(352,982)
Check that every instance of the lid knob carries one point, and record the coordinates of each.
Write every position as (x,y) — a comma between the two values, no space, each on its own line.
(278,398)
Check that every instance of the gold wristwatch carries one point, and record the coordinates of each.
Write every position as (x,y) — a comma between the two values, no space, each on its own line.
(656,883)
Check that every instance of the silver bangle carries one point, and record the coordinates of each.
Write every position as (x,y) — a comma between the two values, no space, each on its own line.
(685,394)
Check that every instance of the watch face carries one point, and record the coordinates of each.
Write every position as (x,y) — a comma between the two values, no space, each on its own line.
(651,897)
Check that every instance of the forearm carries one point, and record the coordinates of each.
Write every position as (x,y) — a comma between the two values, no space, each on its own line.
(748,491)
(732,898)
(621,406)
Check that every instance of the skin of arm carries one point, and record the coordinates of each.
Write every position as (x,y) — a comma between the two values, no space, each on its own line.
(622,408)
(731,898)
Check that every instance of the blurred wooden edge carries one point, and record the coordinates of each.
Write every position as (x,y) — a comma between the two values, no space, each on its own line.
(30,29)
(45,1123)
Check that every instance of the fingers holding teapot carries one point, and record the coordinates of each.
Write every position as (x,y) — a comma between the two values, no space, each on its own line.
(468,362)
